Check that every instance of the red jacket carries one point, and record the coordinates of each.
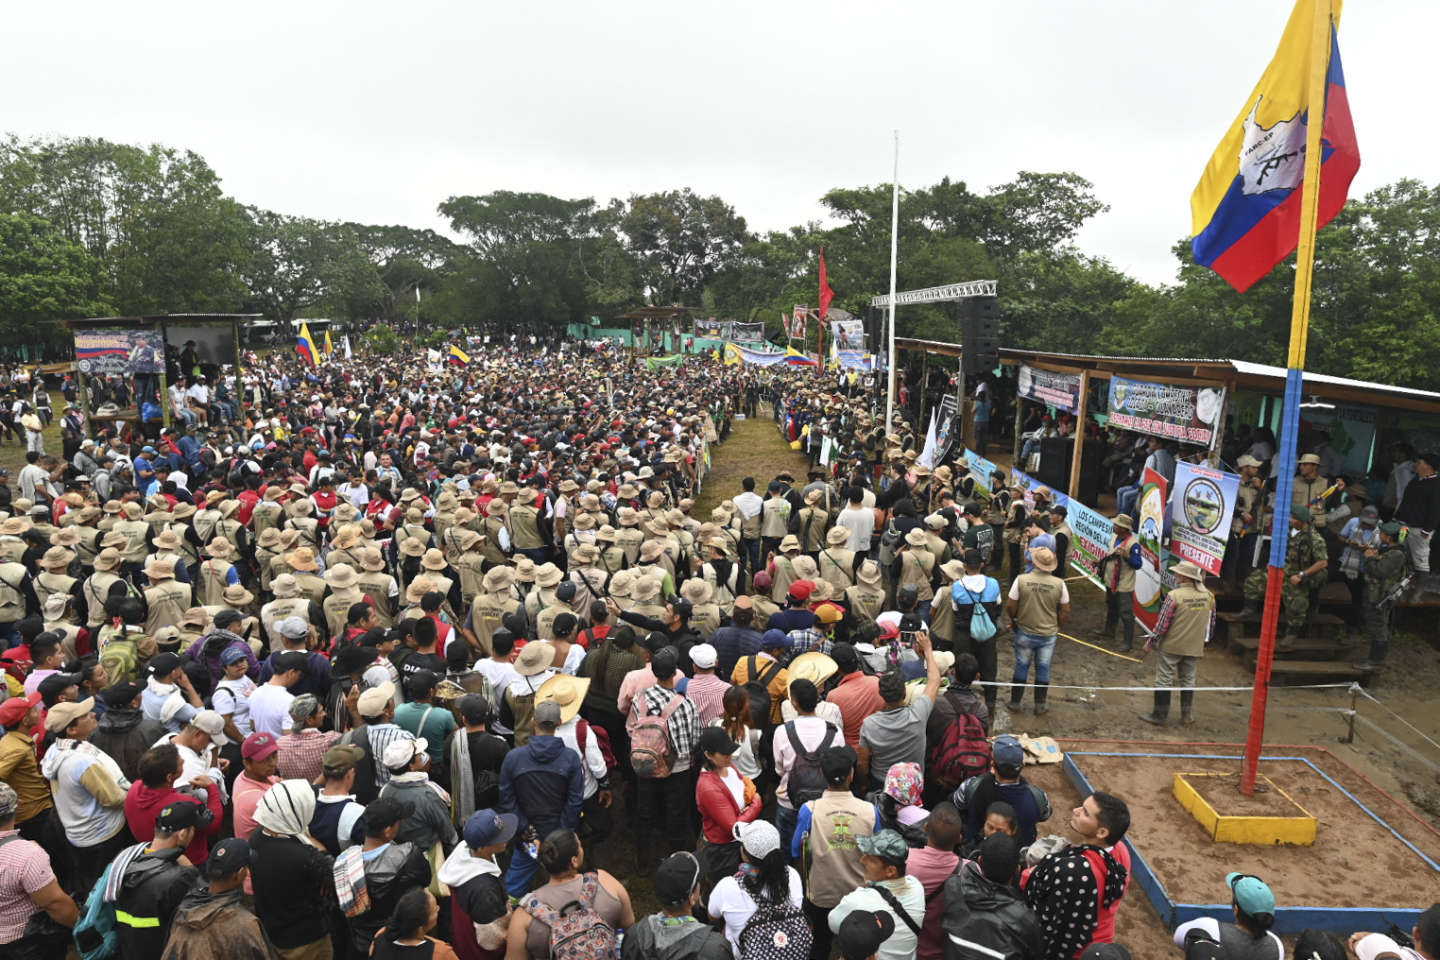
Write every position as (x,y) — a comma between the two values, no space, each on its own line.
(718,810)
(143,804)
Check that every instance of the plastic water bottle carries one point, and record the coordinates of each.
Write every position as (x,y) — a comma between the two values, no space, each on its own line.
(619,941)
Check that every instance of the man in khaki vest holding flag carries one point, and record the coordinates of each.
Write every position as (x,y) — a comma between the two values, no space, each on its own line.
(1186,620)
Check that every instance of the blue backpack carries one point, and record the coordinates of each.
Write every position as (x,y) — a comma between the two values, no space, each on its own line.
(95,935)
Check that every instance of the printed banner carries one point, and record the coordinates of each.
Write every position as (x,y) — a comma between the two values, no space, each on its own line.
(655,363)
(1185,414)
(1060,390)
(737,354)
(855,360)
(797,321)
(1092,528)
(119,351)
(1149,593)
(747,331)
(945,432)
(980,470)
(848,334)
(1200,514)
(712,328)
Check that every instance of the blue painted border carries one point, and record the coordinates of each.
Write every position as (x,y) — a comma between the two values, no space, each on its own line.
(1288,920)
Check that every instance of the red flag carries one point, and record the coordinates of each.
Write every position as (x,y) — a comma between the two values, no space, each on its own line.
(826,294)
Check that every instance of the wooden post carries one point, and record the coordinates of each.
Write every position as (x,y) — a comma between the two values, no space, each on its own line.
(1019,418)
(82,386)
(1077,454)
(920,419)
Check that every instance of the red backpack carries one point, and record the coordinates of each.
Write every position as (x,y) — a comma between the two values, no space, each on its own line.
(963,751)
(583,729)
(651,752)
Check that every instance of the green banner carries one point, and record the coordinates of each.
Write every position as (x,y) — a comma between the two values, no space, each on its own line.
(655,363)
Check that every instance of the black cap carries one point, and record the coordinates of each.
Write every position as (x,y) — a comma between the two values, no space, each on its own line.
(57,683)
(863,931)
(420,683)
(845,657)
(837,763)
(120,694)
(228,857)
(684,609)
(565,592)
(676,877)
(227,617)
(386,811)
(289,660)
(180,814)
(716,740)
(163,664)
(664,663)
(350,659)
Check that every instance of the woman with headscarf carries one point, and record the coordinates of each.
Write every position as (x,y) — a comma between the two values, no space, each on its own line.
(292,873)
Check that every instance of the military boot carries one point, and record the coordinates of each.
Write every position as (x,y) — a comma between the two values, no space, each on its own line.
(1187,707)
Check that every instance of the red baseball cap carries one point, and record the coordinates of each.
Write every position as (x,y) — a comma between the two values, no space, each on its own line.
(258,746)
(12,711)
(801,589)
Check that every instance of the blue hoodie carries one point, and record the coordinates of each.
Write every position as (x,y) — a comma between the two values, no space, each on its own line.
(542,783)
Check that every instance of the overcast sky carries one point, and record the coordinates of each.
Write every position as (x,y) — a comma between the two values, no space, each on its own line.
(378,112)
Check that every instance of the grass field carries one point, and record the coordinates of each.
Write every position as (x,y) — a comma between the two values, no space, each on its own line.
(754,449)
(12,453)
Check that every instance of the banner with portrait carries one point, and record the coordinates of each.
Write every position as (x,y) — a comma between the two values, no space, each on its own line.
(797,321)
(712,328)
(1060,390)
(1200,514)
(848,334)
(747,332)
(1184,414)
(119,351)
(1149,591)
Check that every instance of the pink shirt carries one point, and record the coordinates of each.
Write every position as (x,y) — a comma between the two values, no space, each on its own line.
(635,681)
(24,869)
(708,692)
(245,797)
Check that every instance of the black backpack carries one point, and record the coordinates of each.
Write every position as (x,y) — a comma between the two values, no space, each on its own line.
(806,781)
(758,689)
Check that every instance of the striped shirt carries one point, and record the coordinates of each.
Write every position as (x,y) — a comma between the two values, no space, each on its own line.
(381,736)
(707,691)
(684,723)
(302,753)
(24,869)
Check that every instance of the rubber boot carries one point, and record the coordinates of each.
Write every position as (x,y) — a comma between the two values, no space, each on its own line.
(1042,697)
(1187,707)
(1128,643)
(1251,609)
(1106,632)
(1017,696)
(1160,713)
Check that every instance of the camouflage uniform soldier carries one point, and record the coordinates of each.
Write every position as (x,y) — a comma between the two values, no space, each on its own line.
(1385,566)
(1305,560)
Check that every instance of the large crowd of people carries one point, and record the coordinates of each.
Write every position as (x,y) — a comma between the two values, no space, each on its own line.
(386,658)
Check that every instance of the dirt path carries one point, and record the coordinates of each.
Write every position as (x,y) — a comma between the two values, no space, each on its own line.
(756,449)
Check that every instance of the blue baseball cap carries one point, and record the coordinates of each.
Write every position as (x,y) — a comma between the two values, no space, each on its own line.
(486,828)
(1008,752)
(1251,893)
(231,655)
(147,449)
(774,639)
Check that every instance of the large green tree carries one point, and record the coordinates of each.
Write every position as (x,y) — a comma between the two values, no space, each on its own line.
(43,277)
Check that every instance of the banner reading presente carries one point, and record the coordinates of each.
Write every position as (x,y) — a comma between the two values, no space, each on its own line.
(1200,514)
(1185,414)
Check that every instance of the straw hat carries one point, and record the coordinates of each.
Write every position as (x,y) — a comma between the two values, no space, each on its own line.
(219,547)
(869,573)
(586,553)
(564,690)
(285,586)
(372,559)
(237,596)
(646,589)
(107,559)
(433,560)
(697,591)
(1043,558)
(418,588)
(302,558)
(413,547)
(269,538)
(837,536)
(814,666)
(347,536)
(1189,571)
(547,575)
(498,579)
(535,658)
(57,558)
(342,576)
(160,569)
(916,537)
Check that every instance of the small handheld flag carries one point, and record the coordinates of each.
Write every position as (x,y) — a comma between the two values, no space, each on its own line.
(329,347)
(305,346)
(1245,211)
(458,357)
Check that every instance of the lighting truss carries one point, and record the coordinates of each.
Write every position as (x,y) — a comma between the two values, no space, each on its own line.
(941,294)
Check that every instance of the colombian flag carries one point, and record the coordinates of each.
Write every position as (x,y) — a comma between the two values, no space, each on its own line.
(797,359)
(458,357)
(329,347)
(305,346)
(1245,211)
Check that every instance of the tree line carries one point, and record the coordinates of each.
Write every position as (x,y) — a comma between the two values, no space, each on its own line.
(94,228)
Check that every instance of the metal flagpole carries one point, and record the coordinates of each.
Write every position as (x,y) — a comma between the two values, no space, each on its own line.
(1294,377)
(894,250)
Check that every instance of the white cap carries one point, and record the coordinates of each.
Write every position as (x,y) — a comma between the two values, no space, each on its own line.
(399,753)
(704,656)
(760,838)
(213,724)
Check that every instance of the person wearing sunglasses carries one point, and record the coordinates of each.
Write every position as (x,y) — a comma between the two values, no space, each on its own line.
(1248,938)
(674,931)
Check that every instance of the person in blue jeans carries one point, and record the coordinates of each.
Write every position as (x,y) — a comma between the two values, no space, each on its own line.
(1039,604)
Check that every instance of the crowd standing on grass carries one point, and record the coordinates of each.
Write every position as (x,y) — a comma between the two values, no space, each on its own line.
(370,660)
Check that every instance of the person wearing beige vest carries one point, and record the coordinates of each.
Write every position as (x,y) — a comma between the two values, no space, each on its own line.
(589,578)
(1186,620)
(489,608)
(524,526)
(345,590)
(378,585)
(12,547)
(915,566)
(215,573)
(345,548)
(704,611)
(136,533)
(942,606)
(288,602)
(826,835)
(300,518)
(496,533)
(835,561)
(54,578)
(469,566)
(645,597)
(582,533)
(866,600)
(612,557)
(208,516)
(1117,572)
(810,524)
(232,529)
(1038,603)
(166,598)
(289,539)
(628,537)
(306,572)
(268,512)
(782,568)
(96,588)
(723,574)
(266,549)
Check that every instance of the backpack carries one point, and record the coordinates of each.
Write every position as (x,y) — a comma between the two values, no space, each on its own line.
(95,936)
(758,689)
(775,931)
(576,930)
(963,751)
(651,752)
(890,541)
(602,737)
(982,628)
(806,781)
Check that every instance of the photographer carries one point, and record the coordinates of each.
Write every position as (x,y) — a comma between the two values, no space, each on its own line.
(896,732)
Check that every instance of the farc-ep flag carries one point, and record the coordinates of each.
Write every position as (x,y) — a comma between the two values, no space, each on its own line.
(1245,212)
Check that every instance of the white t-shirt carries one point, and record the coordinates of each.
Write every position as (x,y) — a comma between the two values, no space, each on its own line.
(903,942)
(232,697)
(735,785)
(270,709)
(732,902)
(861,524)
(500,675)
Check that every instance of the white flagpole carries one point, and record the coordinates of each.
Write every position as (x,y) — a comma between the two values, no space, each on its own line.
(894,250)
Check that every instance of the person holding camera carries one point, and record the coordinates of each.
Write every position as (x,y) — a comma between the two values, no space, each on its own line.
(896,732)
